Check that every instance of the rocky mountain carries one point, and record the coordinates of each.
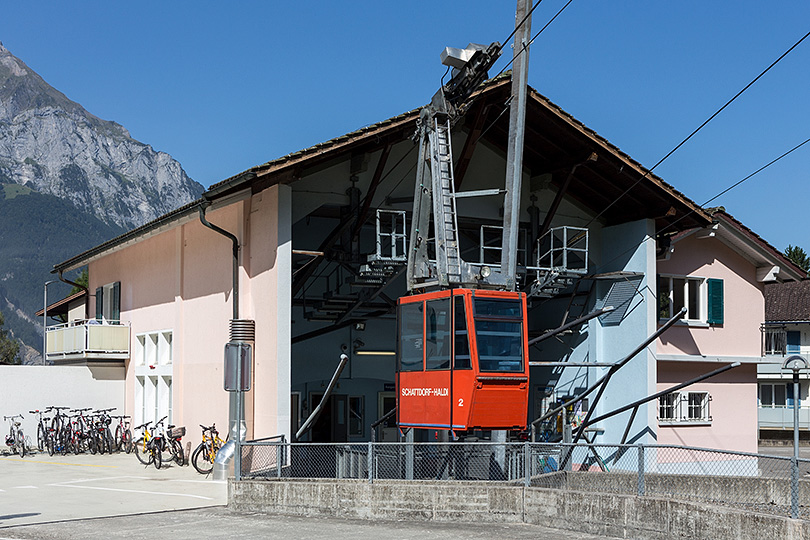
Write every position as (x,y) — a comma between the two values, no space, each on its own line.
(68,181)
(54,146)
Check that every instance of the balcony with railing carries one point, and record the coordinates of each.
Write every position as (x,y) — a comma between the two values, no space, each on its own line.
(774,341)
(87,340)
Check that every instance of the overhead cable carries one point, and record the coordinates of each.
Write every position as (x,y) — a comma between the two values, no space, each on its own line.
(701,126)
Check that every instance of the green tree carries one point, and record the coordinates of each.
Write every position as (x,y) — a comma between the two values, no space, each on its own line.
(798,256)
(9,347)
(83,280)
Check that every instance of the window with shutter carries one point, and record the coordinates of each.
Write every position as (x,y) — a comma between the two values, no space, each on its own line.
(99,303)
(715,301)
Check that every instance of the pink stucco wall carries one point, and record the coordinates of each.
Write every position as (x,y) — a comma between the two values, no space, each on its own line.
(733,406)
(180,280)
(744,302)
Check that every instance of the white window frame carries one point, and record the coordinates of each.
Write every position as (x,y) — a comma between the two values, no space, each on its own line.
(685,408)
(701,318)
(773,404)
(153,370)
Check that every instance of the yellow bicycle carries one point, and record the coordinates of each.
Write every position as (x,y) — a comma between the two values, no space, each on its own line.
(148,446)
(203,456)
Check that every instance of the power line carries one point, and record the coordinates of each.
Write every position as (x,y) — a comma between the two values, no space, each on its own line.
(526,45)
(701,126)
(772,162)
(740,181)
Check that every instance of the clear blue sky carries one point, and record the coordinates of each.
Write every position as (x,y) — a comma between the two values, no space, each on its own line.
(225,86)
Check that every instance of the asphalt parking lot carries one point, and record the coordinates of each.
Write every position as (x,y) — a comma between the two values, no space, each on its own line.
(114,496)
(41,488)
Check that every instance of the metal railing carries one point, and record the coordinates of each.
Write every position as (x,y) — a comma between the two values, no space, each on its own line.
(88,339)
(753,482)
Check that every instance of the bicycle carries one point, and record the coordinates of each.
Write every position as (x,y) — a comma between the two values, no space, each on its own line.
(203,456)
(148,447)
(42,429)
(80,437)
(60,429)
(142,446)
(101,431)
(123,435)
(15,438)
(168,443)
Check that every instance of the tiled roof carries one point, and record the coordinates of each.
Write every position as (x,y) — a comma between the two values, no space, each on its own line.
(789,301)
(395,125)
(720,213)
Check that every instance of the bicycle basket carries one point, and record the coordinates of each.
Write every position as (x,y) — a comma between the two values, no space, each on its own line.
(177,432)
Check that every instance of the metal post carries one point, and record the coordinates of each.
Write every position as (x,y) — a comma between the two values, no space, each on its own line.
(641,466)
(795,363)
(279,458)
(409,457)
(527,464)
(45,324)
(514,152)
(794,476)
(240,396)
(370,462)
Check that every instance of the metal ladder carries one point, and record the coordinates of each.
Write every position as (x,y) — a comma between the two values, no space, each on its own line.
(448,258)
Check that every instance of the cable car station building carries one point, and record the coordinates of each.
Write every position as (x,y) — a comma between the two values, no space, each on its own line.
(316,258)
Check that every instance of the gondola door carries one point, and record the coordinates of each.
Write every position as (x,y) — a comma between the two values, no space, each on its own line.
(425,351)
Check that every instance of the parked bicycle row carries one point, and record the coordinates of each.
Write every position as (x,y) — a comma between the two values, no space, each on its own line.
(63,430)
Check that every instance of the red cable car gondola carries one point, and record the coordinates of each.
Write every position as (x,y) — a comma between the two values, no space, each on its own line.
(462,360)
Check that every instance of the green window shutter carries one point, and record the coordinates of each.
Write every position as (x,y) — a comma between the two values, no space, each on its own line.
(99,303)
(715,301)
(116,302)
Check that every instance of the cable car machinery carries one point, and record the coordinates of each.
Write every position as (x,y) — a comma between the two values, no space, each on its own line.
(463,345)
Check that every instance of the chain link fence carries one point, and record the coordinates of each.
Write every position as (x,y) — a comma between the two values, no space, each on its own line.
(755,482)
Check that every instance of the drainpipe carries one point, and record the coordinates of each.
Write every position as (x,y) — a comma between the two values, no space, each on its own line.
(73,284)
(235,242)
(236,405)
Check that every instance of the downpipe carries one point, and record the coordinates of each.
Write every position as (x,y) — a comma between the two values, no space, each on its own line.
(223,462)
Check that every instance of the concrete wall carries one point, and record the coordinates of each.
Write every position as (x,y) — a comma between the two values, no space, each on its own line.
(26,388)
(654,518)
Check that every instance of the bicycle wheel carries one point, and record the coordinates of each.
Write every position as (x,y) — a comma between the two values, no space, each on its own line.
(157,457)
(177,452)
(142,452)
(50,443)
(200,459)
(127,441)
(20,443)
(40,437)
(111,446)
(119,438)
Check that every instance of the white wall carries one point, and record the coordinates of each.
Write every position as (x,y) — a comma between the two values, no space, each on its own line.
(26,388)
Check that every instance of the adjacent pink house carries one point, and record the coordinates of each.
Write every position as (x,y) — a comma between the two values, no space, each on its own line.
(719,274)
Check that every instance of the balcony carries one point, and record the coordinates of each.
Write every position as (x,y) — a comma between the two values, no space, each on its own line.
(87,340)
(774,341)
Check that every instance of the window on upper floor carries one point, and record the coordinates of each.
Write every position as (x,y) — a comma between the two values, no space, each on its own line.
(108,302)
(702,298)
(684,407)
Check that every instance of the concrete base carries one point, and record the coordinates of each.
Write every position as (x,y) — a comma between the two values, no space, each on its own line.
(648,517)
